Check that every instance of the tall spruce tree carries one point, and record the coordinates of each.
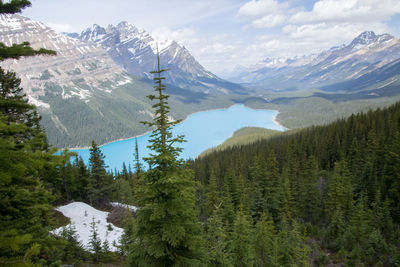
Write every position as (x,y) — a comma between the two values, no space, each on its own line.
(99,186)
(167,231)
(24,201)
(217,241)
(264,242)
(242,249)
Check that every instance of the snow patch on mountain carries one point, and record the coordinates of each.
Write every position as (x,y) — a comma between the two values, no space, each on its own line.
(366,53)
(38,103)
(77,66)
(135,50)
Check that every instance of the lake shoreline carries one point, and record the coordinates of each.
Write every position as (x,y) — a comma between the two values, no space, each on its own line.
(116,140)
(275,121)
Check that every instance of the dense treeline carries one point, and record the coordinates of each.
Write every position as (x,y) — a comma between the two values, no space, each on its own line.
(339,185)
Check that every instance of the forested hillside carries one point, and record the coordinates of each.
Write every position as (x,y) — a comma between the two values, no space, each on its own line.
(325,194)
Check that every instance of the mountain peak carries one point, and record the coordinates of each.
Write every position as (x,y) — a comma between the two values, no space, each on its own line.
(369,38)
(92,33)
(364,39)
(126,28)
(366,36)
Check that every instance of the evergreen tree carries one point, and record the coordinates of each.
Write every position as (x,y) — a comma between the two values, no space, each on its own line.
(99,187)
(227,208)
(271,186)
(67,177)
(138,164)
(94,241)
(230,181)
(264,243)
(309,194)
(242,249)
(167,231)
(24,154)
(106,252)
(299,250)
(212,193)
(81,179)
(336,228)
(217,241)
(128,236)
(73,249)
(286,206)
(340,192)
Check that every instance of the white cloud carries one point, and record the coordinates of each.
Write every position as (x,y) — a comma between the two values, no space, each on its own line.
(297,32)
(348,11)
(268,21)
(217,48)
(260,8)
(183,36)
(60,27)
(306,39)
(264,13)
(333,33)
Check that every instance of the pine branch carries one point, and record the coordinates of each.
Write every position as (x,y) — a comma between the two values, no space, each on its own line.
(21,50)
(11,103)
(14,6)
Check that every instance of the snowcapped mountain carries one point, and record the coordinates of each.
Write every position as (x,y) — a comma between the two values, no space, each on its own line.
(367,53)
(79,68)
(81,93)
(87,91)
(135,50)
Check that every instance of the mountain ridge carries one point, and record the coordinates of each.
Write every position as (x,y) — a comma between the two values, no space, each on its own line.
(367,52)
(135,50)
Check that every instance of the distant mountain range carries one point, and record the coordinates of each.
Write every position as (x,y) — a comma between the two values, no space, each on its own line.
(369,62)
(96,86)
(135,50)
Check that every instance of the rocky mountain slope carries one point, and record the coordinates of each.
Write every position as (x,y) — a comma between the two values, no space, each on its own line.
(83,95)
(79,69)
(135,50)
(366,54)
(80,93)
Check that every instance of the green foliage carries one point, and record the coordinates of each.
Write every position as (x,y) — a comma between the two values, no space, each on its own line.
(73,249)
(265,243)
(13,6)
(94,241)
(100,182)
(242,249)
(217,241)
(21,50)
(166,231)
(244,136)
(331,189)
(24,201)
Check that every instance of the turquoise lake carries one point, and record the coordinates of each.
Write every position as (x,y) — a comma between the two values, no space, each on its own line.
(202,130)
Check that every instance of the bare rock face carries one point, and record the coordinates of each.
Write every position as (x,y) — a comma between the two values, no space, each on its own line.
(135,50)
(79,69)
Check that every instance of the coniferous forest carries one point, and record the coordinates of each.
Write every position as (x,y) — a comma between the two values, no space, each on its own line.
(322,196)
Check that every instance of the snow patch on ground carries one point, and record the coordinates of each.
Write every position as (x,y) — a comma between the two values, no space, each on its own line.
(81,216)
(117,204)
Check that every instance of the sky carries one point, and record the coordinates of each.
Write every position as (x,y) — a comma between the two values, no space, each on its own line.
(222,34)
